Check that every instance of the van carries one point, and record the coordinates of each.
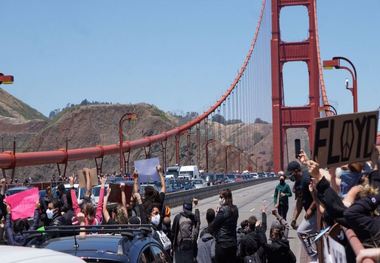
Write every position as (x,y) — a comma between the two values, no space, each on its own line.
(189,170)
(172,172)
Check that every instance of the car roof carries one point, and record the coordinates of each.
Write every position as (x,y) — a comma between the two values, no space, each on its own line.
(102,246)
(104,242)
(16,254)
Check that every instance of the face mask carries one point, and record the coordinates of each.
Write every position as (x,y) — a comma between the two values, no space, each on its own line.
(282,181)
(49,213)
(155,220)
(221,201)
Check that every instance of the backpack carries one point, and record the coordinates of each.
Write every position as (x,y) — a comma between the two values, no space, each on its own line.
(185,233)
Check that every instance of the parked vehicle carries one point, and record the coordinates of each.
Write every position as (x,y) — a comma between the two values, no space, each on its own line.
(15,254)
(172,172)
(191,170)
(198,183)
(15,190)
(128,243)
(255,175)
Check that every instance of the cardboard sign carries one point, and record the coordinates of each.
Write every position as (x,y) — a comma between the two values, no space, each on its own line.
(147,170)
(82,178)
(115,195)
(343,139)
(337,251)
(23,203)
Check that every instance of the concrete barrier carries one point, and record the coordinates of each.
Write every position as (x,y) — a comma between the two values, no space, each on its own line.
(177,198)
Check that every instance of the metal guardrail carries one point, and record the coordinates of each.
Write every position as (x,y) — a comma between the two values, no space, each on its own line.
(355,243)
(177,198)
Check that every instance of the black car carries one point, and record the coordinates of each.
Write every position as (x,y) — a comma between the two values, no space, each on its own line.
(118,243)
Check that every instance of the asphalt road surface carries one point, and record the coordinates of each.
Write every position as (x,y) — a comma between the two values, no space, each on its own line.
(249,201)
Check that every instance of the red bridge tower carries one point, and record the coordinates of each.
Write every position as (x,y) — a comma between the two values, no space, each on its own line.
(300,116)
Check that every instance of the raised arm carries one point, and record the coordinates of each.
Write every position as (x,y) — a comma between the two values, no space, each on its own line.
(2,185)
(162,178)
(99,208)
(123,197)
(106,215)
(73,196)
(135,182)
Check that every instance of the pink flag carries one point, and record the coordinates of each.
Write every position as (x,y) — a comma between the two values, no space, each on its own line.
(23,203)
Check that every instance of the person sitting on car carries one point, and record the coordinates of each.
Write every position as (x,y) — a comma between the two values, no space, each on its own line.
(90,215)
(54,213)
(119,214)
(151,195)
(14,230)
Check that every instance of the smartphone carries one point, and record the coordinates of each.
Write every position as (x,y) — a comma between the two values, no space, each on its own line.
(297,147)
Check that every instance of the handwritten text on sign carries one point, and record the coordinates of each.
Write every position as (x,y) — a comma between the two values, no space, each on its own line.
(345,138)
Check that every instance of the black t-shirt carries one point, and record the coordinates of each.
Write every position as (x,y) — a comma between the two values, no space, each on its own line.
(307,199)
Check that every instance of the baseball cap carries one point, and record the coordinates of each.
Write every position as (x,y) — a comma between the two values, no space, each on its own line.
(292,166)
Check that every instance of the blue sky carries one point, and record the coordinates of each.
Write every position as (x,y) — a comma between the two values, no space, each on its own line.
(178,55)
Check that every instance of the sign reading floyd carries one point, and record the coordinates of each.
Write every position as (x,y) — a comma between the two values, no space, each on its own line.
(346,138)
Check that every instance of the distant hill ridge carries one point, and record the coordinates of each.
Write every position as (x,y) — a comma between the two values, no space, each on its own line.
(14,108)
(97,124)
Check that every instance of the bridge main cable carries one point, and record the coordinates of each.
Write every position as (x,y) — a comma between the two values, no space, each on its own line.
(9,160)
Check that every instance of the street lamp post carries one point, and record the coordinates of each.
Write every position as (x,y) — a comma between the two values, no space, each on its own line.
(207,143)
(335,63)
(226,156)
(127,116)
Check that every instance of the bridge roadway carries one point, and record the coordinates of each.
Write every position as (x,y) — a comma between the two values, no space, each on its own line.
(249,201)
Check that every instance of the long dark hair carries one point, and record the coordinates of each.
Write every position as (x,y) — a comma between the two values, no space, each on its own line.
(227,195)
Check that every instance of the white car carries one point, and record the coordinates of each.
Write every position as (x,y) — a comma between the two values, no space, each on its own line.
(199,183)
(16,254)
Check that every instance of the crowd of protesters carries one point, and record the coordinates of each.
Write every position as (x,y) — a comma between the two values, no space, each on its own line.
(348,196)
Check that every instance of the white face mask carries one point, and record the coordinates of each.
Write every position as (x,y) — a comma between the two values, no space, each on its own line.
(155,220)
(221,201)
(49,213)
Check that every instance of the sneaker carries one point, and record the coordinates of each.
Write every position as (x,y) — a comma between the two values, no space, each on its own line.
(294,224)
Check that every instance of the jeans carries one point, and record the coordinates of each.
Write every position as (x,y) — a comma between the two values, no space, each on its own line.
(306,228)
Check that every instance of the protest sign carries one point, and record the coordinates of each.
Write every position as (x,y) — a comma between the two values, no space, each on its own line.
(337,251)
(87,174)
(115,195)
(147,170)
(346,138)
(23,203)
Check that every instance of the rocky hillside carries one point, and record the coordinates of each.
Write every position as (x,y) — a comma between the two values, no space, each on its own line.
(90,125)
(12,107)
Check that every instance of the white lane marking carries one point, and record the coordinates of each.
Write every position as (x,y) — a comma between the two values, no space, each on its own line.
(253,209)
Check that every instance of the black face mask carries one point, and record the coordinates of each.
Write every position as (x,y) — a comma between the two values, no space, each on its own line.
(282,181)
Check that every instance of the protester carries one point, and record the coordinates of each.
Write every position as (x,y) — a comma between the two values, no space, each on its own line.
(252,244)
(166,224)
(224,228)
(206,242)
(281,195)
(185,231)
(360,217)
(151,196)
(308,224)
(14,230)
(295,174)
(279,250)
(67,205)
(119,214)
(89,215)
(54,214)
